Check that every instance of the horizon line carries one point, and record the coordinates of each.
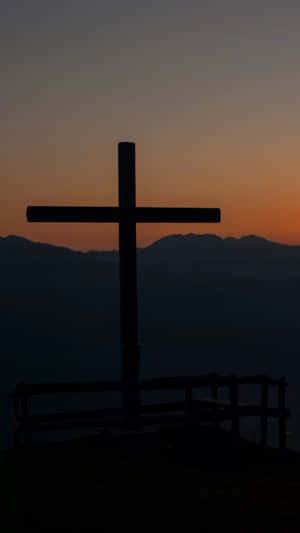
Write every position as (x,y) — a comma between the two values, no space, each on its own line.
(152,242)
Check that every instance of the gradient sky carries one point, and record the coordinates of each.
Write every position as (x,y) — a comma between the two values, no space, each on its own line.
(209,91)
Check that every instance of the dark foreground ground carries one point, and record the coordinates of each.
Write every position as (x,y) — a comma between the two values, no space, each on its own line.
(162,479)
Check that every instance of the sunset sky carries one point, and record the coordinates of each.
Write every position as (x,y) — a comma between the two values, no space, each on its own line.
(208,90)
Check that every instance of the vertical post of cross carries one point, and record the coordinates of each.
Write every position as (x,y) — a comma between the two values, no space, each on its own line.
(128,279)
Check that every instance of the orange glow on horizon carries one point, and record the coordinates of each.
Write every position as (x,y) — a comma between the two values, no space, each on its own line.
(90,237)
(256,195)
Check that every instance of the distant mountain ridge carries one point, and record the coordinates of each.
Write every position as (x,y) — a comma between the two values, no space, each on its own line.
(209,240)
(19,249)
(14,246)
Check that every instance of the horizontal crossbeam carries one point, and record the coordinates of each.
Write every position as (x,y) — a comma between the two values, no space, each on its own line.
(116,214)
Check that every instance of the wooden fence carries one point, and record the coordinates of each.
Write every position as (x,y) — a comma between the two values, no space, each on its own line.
(193,410)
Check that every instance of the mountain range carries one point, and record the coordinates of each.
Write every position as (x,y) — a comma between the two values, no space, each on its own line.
(205,304)
(13,244)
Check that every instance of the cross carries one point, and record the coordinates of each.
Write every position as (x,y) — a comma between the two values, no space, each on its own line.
(126,215)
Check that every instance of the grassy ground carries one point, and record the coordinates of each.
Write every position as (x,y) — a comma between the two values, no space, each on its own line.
(151,481)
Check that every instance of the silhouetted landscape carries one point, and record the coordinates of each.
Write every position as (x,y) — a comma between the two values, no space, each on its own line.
(205,304)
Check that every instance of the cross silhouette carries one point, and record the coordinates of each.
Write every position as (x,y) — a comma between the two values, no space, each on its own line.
(126,215)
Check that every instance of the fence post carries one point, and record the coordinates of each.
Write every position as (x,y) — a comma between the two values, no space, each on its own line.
(188,400)
(16,430)
(214,391)
(214,387)
(234,407)
(188,425)
(282,416)
(24,420)
(236,449)
(264,406)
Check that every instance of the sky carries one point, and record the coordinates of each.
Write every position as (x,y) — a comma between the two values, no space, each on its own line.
(208,91)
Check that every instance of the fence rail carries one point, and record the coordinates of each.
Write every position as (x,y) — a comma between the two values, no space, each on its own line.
(192,410)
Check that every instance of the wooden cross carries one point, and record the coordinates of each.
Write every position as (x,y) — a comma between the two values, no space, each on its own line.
(126,215)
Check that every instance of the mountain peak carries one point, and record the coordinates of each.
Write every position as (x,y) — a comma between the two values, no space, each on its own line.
(257,241)
(15,240)
(188,239)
